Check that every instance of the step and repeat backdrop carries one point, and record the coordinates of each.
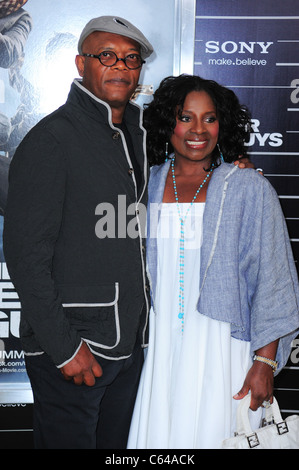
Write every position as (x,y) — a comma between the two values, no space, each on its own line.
(253,48)
(38,44)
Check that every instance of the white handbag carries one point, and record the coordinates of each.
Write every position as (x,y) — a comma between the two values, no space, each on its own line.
(280,434)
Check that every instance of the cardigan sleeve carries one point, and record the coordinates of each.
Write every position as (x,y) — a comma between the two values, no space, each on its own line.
(37,185)
(274,310)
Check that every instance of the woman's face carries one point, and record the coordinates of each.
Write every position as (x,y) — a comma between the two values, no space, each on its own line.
(196,133)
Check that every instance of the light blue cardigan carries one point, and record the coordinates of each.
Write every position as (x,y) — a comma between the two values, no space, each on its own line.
(247,274)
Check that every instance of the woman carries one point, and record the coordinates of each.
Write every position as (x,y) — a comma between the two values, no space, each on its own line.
(223,282)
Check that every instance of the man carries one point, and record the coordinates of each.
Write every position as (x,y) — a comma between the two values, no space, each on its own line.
(83,295)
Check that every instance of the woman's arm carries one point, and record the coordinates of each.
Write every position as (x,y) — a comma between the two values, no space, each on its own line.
(260,378)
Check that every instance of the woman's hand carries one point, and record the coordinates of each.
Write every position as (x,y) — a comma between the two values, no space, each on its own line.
(260,378)
(259,381)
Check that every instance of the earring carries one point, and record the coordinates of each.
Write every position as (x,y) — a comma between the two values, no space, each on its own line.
(166,151)
(220,153)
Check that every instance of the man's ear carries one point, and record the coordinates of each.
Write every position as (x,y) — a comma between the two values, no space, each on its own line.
(80,61)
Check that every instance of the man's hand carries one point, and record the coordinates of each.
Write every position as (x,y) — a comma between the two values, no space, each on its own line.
(83,368)
(244,162)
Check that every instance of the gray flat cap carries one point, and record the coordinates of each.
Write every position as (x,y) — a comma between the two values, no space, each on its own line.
(116,25)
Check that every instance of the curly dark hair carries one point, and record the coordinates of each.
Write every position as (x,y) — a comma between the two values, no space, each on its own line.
(160,117)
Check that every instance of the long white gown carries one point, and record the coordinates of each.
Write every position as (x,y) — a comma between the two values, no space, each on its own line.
(185,399)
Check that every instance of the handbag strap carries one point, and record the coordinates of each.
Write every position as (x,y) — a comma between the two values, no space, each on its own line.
(243,423)
(272,413)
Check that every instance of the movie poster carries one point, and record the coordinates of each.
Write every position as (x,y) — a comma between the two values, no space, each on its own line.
(38,44)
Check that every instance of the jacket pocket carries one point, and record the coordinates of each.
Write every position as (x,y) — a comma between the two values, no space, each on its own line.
(93,312)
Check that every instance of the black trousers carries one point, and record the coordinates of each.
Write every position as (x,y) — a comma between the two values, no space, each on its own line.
(69,416)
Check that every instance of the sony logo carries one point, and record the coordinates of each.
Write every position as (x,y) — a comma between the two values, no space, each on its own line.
(231,47)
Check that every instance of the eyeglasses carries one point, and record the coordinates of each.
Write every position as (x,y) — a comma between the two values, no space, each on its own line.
(109,58)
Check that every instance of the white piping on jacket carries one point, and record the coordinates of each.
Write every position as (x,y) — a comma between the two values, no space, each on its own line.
(77,83)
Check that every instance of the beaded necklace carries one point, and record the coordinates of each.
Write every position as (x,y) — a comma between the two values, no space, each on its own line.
(181,314)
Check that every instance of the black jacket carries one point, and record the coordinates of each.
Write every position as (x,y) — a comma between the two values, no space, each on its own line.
(71,181)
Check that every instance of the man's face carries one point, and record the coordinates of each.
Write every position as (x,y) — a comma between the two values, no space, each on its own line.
(114,85)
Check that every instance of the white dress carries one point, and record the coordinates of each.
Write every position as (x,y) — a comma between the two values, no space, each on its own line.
(185,394)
